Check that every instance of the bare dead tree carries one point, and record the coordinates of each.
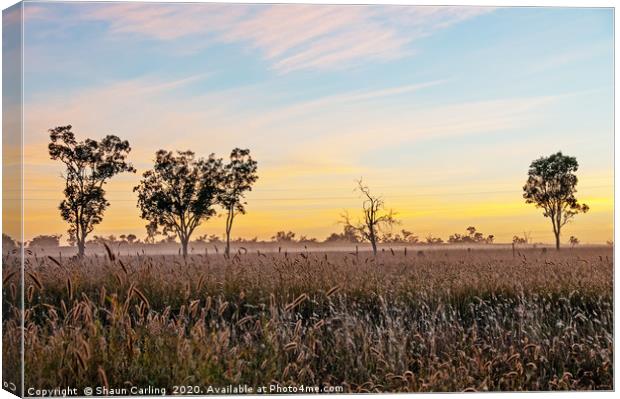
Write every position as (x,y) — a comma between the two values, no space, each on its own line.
(376,217)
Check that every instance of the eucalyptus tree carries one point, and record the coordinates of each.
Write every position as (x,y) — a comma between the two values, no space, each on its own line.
(239,175)
(89,165)
(551,185)
(179,193)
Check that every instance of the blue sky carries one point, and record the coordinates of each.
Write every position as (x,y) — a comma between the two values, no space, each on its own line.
(430,105)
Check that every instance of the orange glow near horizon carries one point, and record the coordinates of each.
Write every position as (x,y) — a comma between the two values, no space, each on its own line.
(282,200)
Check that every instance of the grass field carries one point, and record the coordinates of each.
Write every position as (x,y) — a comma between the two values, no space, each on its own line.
(441,320)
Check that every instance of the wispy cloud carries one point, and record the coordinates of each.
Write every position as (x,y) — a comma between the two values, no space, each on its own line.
(311,134)
(353,131)
(574,56)
(323,104)
(290,37)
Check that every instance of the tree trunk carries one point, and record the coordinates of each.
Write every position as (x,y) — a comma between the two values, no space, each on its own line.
(184,243)
(556,230)
(373,242)
(80,237)
(80,245)
(229,222)
(227,251)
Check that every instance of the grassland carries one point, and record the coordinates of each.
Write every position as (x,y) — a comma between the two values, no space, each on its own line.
(441,320)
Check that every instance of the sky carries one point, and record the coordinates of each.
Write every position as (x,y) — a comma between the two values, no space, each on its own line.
(439,109)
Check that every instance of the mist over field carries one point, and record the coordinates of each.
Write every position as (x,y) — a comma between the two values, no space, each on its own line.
(199,249)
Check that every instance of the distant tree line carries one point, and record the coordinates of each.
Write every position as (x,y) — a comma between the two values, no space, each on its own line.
(472,237)
(347,236)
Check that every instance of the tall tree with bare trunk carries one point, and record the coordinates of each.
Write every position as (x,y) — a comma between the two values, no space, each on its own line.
(179,193)
(376,217)
(89,165)
(551,185)
(238,178)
